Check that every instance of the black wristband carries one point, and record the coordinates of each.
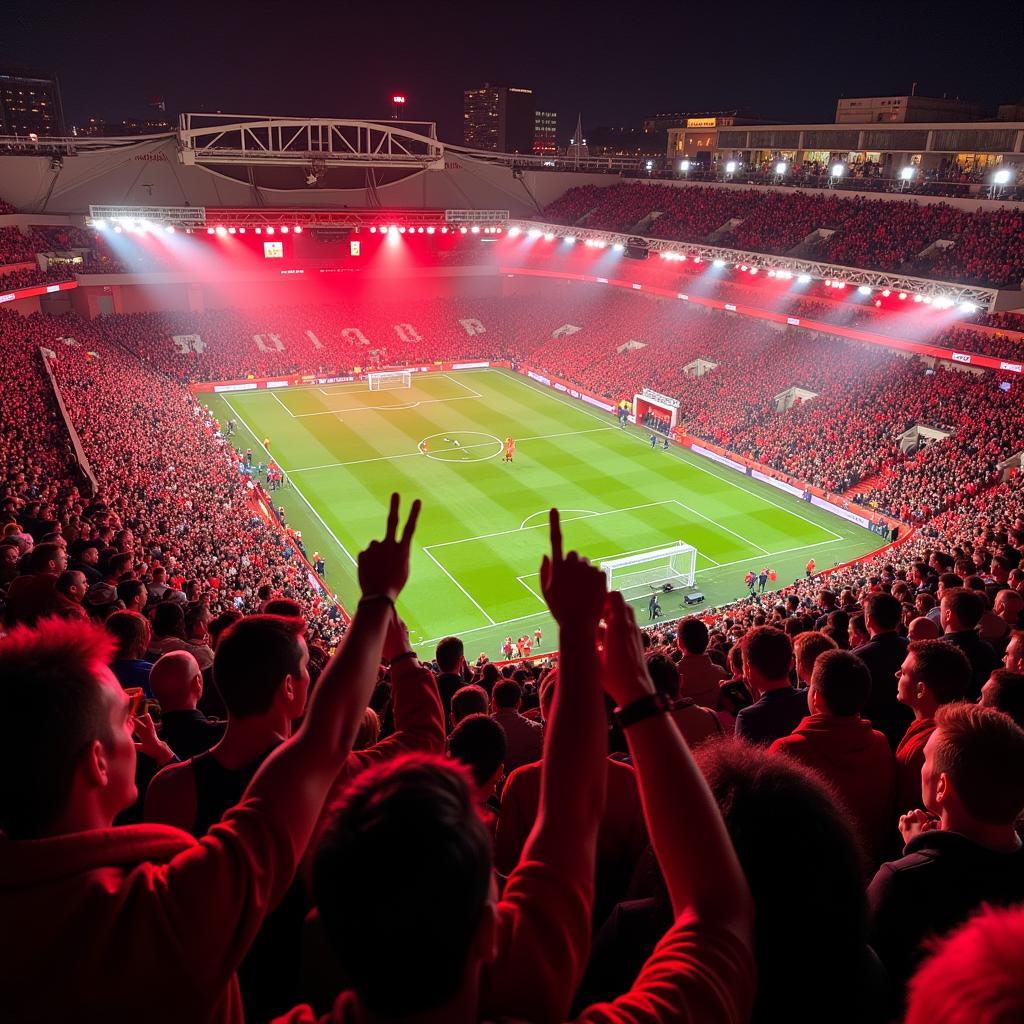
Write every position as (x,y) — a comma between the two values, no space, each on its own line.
(368,598)
(401,657)
(644,707)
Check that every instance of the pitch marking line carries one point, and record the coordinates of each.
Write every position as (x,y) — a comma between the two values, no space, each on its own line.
(608,512)
(523,579)
(675,451)
(426,551)
(584,513)
(724,565)
(280,403)
(296,488)
(412,455)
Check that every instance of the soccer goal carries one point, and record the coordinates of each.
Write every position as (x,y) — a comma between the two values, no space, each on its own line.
(388,380)
(651,570)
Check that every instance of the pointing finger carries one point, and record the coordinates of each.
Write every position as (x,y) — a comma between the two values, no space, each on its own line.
(556,536)
(392,527)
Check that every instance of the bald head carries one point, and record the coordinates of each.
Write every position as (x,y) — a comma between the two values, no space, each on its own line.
(176,681)
(923,628)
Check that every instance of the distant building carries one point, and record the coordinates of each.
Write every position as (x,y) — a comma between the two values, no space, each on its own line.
(658,121)
(906,109)
(499,117)
(696,138)
(30,103)
(626,142)
(545,133)
(98,127)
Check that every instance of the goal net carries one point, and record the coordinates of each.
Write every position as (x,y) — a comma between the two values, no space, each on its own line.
(389,379)
(650,570)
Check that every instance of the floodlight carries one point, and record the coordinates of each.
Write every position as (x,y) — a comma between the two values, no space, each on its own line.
(781,167)
(619,247)
(903,296)
(968,307)
(297,229)
(571,239)
(513,231)
(475,229)
(221,230)
(1001,177)
(684,165)
(431,229)
(730,167)
(863,290)
(270,230)
(906,173)
(170,229)
(233,231)
(836,170)
(718,263)
(549,237)
(804,279)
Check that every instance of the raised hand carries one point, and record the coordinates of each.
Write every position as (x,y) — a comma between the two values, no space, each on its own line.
(396,641)
(384,565)
(624,674)
(148,742)
(913,823)
(573,589)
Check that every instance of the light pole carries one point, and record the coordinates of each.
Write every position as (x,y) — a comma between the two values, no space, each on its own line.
(999,181)
(906,176)
(835,172)
(397,102)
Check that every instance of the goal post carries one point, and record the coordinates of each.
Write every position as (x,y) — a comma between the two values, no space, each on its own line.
(651,570)
(388,380)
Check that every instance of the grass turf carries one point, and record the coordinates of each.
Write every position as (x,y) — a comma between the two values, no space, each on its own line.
(483,527)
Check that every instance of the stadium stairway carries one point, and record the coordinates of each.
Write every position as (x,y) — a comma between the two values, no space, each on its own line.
(869,483)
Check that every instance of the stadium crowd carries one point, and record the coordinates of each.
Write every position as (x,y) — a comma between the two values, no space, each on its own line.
(865,397)
(252,811)
(987,246)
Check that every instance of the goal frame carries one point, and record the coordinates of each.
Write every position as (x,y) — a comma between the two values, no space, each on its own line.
(381,380)
(679,561)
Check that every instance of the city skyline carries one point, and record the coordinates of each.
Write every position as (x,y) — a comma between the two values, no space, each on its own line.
(778,65)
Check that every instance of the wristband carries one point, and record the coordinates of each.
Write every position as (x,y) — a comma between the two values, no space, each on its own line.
(400,657)
(643,707)
(367,598)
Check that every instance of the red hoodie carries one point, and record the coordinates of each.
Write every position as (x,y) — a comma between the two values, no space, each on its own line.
(137,923)
(857,761)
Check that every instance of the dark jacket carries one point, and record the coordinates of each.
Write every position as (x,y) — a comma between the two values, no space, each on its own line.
(979,653)
(775,714)
(188,733)
(883,655)
(939,881)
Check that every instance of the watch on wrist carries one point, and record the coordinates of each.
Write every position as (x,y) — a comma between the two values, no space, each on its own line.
(401,657)
(648,706)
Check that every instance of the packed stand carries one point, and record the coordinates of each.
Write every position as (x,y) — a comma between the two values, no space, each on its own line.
(173,506)
(15,247)
(876,234)
(564,860)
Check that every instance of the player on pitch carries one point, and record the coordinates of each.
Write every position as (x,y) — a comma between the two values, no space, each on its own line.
(510,448)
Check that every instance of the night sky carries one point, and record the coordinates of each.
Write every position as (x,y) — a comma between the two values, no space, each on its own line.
(613,63)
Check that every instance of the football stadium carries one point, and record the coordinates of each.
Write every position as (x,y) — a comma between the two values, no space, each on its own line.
(559,573)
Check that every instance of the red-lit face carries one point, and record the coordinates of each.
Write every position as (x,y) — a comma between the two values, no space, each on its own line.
(118,791)
(906,685)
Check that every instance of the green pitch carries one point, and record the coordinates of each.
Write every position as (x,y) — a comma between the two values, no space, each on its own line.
(483,527)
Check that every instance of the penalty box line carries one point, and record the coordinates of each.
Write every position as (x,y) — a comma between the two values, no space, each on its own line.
(677,452)
(533,615)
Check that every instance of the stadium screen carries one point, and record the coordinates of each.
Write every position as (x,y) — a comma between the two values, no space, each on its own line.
(273,250)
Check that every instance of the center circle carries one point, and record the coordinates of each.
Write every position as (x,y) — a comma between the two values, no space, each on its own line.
(461,446)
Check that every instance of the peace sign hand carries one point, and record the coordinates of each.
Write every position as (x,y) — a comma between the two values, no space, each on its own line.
(384,565)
